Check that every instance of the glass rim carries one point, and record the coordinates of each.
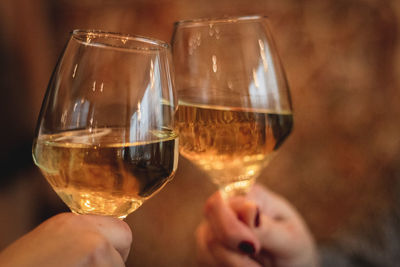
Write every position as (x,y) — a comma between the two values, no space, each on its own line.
(227,19)
(152,44)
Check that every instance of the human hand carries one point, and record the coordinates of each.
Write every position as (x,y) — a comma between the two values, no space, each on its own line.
(259,229)
(71,240)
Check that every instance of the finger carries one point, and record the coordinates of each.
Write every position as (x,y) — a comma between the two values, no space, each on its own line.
(272,235)
(275,236)
(116,231)
(233,233)
(271,204)
(76,239)
(105,257)
(226,257)
(246,211)
(287,241)
(214,253)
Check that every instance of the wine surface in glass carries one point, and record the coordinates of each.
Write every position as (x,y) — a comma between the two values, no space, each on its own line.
(230,144)
(95,173)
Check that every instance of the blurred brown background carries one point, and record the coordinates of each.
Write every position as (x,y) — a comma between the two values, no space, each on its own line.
(342,61)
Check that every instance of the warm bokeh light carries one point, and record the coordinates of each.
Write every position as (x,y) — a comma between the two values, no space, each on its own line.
(338,166)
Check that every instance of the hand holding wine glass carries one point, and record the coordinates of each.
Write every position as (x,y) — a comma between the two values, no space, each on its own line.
(234,104)
(105,140)
(70,240)
(259,229)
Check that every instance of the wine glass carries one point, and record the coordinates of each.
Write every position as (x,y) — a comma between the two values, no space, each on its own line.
(234,102)
(105,140)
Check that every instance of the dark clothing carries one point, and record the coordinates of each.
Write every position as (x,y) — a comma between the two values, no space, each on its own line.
(375,243)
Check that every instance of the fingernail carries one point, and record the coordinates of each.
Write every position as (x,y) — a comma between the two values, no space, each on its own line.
(247,247)
(257,219)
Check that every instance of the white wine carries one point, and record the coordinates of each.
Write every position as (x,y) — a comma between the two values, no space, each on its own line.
(96,172)
(230,144)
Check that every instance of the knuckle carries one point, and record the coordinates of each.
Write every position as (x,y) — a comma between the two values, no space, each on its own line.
(212,204)
(97,248)
(127,233)
(249,206)
(209,207)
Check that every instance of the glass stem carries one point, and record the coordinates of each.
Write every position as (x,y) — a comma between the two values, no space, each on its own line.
(236,189)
